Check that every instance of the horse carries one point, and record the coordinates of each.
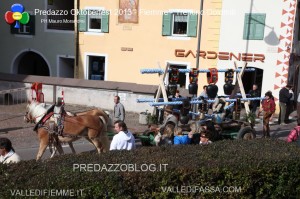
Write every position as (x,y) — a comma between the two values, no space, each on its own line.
(75,127)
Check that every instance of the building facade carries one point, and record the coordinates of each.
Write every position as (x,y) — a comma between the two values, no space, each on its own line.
(265,34)
(118,38)
(114,40)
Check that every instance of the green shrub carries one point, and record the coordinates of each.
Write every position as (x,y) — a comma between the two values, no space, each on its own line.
(260,168)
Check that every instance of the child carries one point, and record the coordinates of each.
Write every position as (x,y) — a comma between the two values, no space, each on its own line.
(294,133)
(181,139)
(204,140)
(167,137)
(268,106)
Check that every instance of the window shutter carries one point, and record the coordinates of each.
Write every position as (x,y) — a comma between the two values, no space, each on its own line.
(259,27)
(254,26)
(105,21)
(192,25)
(82,21)
(167,24)
(246,27)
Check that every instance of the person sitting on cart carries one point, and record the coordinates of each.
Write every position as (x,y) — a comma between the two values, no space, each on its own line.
(157,138)
(194,126)
(179,138)
(218,109)
(169,118)
(204,138)
(167,137)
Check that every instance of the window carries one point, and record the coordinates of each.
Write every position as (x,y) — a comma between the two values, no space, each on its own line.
(254,26)
(93,20)
(180,24)
(25,29)
(96,68)
(63,19)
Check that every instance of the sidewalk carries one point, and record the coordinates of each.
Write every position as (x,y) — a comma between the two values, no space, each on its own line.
(277,131)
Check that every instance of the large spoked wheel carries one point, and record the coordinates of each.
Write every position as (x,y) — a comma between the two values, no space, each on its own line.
(246,133)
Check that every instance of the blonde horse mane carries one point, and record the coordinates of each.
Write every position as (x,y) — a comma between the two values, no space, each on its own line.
(36,110)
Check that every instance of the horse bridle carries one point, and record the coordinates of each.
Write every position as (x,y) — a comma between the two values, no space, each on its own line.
(28,117)
(31,119)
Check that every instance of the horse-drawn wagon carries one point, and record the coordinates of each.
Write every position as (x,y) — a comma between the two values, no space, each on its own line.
(230,129)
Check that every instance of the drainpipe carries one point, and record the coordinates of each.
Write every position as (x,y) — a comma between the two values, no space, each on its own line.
(76,7)
(199,34)
(198,48)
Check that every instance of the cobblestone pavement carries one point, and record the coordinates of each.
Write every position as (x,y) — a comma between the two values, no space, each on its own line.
(21,134)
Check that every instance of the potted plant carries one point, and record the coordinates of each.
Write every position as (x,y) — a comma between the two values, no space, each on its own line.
(152,119)
(250,117)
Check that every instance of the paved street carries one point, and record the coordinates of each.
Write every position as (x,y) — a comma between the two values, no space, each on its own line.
(26,143)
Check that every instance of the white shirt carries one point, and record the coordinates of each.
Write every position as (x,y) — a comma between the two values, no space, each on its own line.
(10,157)
(205,143)
(123,141)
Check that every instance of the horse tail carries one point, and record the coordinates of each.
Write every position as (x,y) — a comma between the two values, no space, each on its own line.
(103,135)
(104,122)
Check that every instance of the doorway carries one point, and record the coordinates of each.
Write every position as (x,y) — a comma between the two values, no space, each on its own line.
(250,78)
(66,67)
(31,63)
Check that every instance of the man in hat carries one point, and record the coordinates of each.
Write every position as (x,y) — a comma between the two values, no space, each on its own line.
(7,153)
(169,118)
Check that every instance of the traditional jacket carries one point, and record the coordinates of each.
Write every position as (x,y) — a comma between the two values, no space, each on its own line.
(170,119)
(269,105)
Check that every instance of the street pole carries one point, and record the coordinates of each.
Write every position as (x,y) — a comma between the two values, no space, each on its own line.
(198,47)
(199,34)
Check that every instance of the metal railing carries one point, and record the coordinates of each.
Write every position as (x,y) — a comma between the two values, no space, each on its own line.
(13,96)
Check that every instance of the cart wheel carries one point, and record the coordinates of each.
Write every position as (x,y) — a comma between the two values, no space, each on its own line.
(246,133)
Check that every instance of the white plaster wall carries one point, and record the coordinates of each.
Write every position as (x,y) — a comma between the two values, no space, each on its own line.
(231,36)
(95,97)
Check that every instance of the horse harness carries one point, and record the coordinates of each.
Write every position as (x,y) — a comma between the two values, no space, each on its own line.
(56,127)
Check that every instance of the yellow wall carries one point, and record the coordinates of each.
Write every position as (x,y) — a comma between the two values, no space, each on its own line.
(149,46)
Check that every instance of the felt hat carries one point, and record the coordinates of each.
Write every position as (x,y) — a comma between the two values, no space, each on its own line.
(168,109)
